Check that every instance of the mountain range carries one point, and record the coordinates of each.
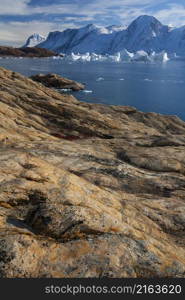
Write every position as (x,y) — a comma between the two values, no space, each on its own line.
(144,33)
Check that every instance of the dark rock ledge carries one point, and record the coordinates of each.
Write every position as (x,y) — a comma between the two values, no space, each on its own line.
(56,81)
(26,52)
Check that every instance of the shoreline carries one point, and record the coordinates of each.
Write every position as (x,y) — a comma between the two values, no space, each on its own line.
(26,52)
(93,90)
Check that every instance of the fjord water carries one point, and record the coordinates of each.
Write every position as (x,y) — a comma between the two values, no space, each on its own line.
(149,87)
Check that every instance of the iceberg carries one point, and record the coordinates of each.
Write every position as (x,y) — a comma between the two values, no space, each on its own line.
(148,80)
(161,57)
(141,56)
(97,57)
(114,58)
(122,56)
(87,91)
(75,57)
(56,57)
(100,79)
(126,55)
(85,57)
(65,90)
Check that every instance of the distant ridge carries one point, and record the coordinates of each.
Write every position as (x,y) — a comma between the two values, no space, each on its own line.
(26,52)
(144,33)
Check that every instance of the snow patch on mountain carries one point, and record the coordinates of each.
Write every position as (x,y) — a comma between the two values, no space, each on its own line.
(34,40)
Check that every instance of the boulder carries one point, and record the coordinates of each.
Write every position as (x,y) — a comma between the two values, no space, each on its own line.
(58,82)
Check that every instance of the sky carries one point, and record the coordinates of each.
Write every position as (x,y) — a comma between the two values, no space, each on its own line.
(21,18)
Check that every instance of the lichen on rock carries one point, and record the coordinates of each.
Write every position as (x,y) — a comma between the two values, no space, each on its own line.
(88,190)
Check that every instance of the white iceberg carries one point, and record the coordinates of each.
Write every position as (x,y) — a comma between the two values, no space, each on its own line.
(126,55)
(74,57)
(87,91)
(147,79)
(64,90)
(122,56)
(56,57)
(97,57)
(100,79)
(114,58)
(161,57)
(85,57)
(141,56)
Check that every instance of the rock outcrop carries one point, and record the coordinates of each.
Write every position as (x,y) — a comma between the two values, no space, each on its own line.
(88,190)
(56,81)
(26,52)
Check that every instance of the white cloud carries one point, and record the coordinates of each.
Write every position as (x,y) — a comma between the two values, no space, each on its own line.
(21,7)
(14,7)
(16,33)
(92,8)
(173,15)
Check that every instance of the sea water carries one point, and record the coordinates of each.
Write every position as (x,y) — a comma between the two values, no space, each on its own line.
(150,87)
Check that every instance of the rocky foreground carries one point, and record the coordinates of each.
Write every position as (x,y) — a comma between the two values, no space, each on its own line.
(88,190)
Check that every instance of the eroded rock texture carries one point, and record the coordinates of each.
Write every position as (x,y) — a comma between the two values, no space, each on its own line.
(88,190)
(58,82)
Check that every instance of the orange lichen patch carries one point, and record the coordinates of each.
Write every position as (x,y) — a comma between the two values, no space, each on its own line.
(5,205)
(103,198)
(55,274)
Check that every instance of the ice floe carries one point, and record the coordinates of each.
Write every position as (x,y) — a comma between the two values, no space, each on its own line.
(87,91)
(100,79)
(147,79)
(65,90)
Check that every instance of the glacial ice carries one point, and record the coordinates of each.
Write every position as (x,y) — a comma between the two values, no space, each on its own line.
(65,90)
(141,56)
(162,56)
(148,80)
(100,79)
(122,56)
(87,91)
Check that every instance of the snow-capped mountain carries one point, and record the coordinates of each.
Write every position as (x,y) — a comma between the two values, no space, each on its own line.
(145,33)
(34,40)
(90,38)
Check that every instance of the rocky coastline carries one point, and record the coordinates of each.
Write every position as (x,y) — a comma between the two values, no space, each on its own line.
(88,190)
(56,81)
(26,52)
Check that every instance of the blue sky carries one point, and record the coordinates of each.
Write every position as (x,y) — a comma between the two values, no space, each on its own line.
(21,18)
